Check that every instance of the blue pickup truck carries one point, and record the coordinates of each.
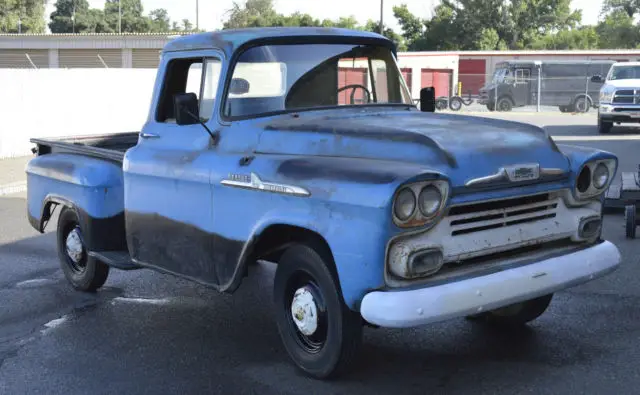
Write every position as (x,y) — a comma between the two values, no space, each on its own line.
(302,147)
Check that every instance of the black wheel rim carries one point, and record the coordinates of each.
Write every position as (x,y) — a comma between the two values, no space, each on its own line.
(503,105)
(73,247)
(301,287)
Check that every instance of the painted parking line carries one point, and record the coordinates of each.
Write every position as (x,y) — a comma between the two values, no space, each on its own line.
(12,188)
(630,137)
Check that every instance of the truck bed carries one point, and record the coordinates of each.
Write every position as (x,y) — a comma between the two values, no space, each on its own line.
(106,146)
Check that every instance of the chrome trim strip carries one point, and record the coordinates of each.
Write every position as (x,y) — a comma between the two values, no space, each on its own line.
(253,182)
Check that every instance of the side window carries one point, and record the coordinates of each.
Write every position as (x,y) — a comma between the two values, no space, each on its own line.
(522,76)
(189,76)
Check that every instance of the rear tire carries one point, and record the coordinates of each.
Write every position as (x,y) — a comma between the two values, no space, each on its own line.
(82,271)
(515,315)
(320,333)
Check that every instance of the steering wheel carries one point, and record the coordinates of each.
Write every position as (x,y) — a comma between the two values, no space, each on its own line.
(354,86)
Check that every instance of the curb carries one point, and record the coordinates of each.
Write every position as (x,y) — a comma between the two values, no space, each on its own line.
(12,188)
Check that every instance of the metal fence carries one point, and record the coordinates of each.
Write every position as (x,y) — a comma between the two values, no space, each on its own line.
(522,93)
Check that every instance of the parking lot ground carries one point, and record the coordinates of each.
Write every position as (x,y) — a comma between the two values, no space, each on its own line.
(148,333)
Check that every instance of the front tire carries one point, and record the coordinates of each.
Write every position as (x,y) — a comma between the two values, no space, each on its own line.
(517,314)
(505,104)
(82,271)
(604,127)
(320,333)
(630,221)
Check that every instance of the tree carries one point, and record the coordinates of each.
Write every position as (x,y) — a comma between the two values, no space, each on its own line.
(159,21)
(630,7)
(618,31)
(75,16)
(132,20)
(25,16)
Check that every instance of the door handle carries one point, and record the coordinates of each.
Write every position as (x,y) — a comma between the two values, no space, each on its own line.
(145,135)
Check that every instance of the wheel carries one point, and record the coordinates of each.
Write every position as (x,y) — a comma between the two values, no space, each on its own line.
(563,108)
(441,104)
(581,104)
(517,314)
(604,127)
(455,104)
(82,271)
(320,333)
(491,107)
(505,104)
(630,221)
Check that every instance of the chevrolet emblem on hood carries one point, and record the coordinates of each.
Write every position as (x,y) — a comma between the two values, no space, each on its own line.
(523,172)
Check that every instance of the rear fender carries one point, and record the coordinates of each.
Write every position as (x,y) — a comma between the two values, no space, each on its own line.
(92,187)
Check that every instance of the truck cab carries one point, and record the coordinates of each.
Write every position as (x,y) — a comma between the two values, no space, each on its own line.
(258,146)
(619,95)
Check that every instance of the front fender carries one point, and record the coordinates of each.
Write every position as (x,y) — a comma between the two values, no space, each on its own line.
(578,156)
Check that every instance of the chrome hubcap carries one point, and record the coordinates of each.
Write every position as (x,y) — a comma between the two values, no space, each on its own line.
(304,311)
(74,246)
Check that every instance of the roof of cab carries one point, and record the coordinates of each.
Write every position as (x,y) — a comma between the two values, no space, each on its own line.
(231,39)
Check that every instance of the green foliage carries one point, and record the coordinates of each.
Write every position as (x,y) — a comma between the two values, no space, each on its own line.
(261,13)
(75,16)
(25,16)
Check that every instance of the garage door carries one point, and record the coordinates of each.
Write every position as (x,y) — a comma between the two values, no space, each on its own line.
(439,79)
(22,58)
(471,73)
(350,76)
(90,58)
(407,75)
(145,58)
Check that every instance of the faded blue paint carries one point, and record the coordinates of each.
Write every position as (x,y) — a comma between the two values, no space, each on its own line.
(351,160)
(93,185)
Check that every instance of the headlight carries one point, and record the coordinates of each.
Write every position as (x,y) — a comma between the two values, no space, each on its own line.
(594,178)
(429,200)
(600,176)
(405,204)
(606,94)
(418,203)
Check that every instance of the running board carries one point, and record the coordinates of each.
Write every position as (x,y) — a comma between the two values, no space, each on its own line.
(116,259)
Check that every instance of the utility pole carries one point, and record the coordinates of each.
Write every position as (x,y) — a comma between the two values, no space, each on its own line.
(381,16)
(120,16)
(197,15)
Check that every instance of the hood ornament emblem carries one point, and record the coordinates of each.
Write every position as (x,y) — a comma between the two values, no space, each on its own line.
(515,173)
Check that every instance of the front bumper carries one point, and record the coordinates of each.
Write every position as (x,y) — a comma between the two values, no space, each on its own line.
(400,309)
(619,112)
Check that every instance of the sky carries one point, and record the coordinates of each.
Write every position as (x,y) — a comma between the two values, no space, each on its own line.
(212,12)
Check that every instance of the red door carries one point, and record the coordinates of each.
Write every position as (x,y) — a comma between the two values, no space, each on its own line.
(440,79)
(471,73)
(349,76)
(407,74)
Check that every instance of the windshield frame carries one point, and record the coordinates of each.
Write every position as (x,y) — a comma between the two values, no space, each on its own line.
(302,40)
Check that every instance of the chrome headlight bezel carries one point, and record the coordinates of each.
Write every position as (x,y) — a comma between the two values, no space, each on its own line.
(417,217)
(584,187)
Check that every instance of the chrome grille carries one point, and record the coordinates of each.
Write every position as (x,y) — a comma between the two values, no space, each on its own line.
(627,96)
(477,217)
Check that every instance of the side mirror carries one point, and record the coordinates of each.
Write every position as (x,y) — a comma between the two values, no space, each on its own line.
(186,108)
(428,99)
(596,78)
(239,86)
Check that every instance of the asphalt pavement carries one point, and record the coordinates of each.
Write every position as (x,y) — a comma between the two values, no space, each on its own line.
(149,333)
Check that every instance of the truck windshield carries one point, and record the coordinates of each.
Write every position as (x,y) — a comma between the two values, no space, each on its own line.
(500,74)
(282,78)
(624,72)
